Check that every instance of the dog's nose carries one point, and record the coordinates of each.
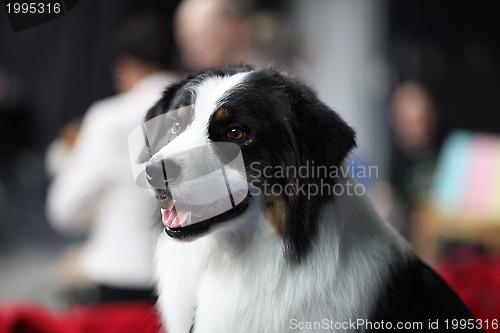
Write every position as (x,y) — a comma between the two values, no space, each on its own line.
(172,169)
(161,172)
(155,174)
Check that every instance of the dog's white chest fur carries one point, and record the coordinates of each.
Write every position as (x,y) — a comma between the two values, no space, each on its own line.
(230,283)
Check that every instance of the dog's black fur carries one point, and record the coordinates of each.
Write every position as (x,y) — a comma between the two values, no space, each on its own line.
(286,124)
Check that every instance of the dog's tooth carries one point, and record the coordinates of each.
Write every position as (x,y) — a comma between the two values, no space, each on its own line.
(167,204)
(170,204)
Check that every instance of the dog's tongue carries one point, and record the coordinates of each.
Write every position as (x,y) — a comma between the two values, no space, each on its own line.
(173,219)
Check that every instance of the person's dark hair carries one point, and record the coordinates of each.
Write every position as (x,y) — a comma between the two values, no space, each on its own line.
(148,38)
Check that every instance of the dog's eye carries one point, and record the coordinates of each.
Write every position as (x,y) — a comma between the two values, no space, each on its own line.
(176,128)
(235,133)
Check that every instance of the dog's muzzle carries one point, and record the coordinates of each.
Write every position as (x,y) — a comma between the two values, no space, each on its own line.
(196,187)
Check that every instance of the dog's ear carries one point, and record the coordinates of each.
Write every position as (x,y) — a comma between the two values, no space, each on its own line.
(320,132)
(321,138)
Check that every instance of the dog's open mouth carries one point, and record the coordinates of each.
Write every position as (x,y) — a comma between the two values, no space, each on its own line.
(182,223)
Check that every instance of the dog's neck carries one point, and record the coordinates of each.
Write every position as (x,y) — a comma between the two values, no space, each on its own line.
(343,218)
(248,256)
(246,239)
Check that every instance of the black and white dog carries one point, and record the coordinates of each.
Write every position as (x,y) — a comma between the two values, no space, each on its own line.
(277,261)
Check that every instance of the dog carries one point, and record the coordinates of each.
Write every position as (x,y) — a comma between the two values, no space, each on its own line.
(276,256)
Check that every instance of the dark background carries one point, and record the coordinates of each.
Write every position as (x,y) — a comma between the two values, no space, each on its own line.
(454,48)
(50,74)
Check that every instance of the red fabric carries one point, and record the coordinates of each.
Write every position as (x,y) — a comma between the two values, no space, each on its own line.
(475,277)
(127,317)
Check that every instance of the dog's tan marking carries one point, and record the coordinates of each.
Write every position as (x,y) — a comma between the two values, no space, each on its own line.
(277,213)
(222,114)
(181,111)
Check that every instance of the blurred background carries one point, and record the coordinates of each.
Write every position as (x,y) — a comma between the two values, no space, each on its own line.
(418,80)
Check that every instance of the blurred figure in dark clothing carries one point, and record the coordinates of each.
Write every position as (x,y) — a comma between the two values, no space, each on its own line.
(415,124)
(414,119)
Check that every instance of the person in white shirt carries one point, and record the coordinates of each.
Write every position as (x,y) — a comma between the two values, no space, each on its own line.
(94,190)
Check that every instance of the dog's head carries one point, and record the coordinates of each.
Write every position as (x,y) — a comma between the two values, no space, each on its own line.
(274,122)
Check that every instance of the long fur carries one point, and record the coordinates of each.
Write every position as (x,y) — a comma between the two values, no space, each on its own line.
(288,260)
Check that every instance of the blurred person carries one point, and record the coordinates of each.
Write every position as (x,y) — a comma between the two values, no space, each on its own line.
(94,191)
(61,147)
(213,33)
(414,121)
(414,118)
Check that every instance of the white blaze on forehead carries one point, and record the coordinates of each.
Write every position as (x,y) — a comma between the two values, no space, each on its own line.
(207,95)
